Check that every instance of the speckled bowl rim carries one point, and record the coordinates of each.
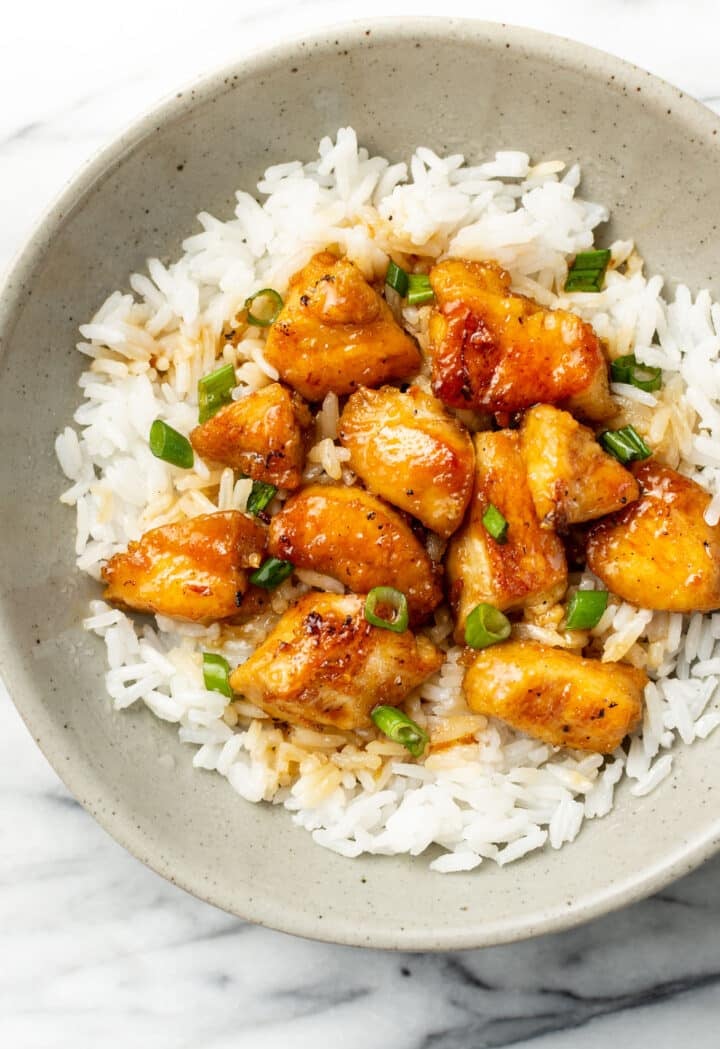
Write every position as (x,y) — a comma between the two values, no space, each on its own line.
(265,911)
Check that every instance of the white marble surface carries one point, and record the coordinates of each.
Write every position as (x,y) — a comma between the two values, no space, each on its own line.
(94,948)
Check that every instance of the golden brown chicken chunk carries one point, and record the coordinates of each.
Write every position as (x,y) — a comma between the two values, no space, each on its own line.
(406,448)
(529,567)
(555,695)
(191,570)
(335,333)
(571,478)
(256,601)
(350,535)
(324,664)
(263,435)
(659,552)
(499,352)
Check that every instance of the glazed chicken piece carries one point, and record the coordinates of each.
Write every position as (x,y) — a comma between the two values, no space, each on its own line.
(499,352)
(256,601)
(192,570)
(571,478)
(406,448)
(324,664)
(263,435)
(335,333)
(659,552)
(530,566)
(350,535)
(555,695)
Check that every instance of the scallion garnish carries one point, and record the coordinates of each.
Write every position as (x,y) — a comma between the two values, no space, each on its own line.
(626,444)
(261,495)
(272,573)
(419,289)
(170,446)
(216,673)
(387,597)
(628,369)
(398,727)
(214,391)
(495,524)
(263,308)
(587,272)
(485,626)
(585,609)
(397,278)
(415,287)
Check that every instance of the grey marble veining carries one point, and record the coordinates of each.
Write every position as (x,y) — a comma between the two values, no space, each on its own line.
(94,948)
(90,938)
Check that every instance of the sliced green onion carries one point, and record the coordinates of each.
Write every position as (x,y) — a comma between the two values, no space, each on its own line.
(397,278)
(216,673)
(413,286)
(419,290)
(587,272)
(485,626)
(585,609)
(495,524)
(629,370)
(215,390)
(261,495)
(626,444)
(171,446)
(398,727)
(269,303)
(272,573)
(397,602)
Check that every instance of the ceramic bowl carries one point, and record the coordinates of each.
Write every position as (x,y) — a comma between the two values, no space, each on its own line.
(651,154)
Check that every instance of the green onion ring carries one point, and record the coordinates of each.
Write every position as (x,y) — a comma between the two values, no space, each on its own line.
(170,446)
(398,727)
(387,595)
(585,609)
(264,293)
(485,626)
(216,673)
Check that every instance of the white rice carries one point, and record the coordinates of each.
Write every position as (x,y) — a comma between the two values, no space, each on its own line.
(495,795)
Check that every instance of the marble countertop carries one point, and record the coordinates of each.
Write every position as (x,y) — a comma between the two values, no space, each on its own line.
(96,949)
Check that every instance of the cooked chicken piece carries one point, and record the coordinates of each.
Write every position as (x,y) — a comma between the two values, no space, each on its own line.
(529,567)
(556,696)
(263,435)
(256,601)
(350,535)
(191,570)
(571,478)
(406,448)
(324,664)
(500,352)
(335,333)
(659,552)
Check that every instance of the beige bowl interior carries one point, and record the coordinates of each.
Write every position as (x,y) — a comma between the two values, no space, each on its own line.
(649,153)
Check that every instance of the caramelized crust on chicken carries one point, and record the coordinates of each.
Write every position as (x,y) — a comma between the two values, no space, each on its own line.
(263,435)
(530,566)
(492,353)
(191,570)
(354,537)
(324,664)
(256,601)
(556,696)
(571,478)
(659,552)
(406,448)
(500,352)
(335,333)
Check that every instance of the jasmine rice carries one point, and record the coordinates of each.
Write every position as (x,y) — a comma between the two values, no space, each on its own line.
(485,791)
